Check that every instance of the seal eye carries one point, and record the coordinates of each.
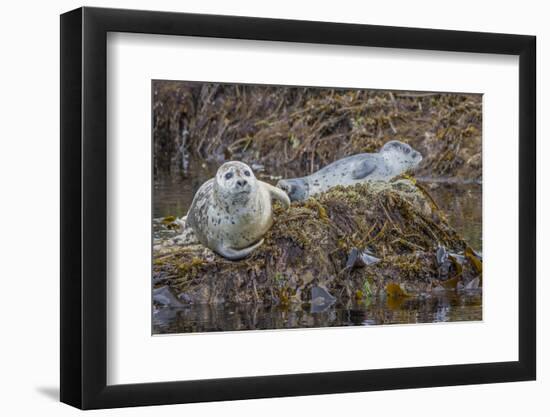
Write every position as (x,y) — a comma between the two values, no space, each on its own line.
(228,176)
(247,173)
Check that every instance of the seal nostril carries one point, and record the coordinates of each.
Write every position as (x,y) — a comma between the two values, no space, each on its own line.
(241,183)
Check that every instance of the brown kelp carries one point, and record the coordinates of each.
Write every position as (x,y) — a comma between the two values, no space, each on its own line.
(414,248)
(304,129)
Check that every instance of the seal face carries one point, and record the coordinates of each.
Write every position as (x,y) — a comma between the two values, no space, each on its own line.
(394,158)
(231,212)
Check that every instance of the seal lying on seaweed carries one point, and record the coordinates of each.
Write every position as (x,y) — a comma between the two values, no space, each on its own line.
(231,212)
(394,158)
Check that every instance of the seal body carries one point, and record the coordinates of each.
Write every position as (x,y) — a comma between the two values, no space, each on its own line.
(394,158)
(231,212)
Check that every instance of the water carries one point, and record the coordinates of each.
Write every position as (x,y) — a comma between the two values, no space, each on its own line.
(462,204)
(447,307)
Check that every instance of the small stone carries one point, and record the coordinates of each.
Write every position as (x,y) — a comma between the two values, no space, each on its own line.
(367,258)
(164,296)
(186,298)
(357,259)
(322,293)
(473,284)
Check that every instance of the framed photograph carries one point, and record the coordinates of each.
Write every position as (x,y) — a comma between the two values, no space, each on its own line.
(258,208)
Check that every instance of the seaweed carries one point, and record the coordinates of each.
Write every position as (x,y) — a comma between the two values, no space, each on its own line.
(309,244)
(301,129)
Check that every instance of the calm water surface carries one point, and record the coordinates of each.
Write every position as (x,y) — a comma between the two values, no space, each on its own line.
(448,307)
(462,203)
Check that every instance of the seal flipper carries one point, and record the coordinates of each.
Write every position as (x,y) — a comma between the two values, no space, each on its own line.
(363,168)
(236,254)
(277,194)
(187,237)
(297,189)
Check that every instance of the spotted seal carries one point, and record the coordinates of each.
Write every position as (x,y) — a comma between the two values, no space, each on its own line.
(231,212)
(394,158)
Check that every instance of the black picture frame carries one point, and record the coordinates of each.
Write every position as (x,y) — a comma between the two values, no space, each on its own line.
(84,207)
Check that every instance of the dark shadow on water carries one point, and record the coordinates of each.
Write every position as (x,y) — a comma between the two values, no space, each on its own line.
(50,392)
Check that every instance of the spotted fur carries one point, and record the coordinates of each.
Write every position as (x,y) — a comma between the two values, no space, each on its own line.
(394,158)
(231,212)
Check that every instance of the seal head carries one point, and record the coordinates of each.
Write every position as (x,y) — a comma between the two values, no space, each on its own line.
(235,183)
(400,156)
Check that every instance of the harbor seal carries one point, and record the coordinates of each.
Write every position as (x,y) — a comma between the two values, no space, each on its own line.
(394,158)
(231,212)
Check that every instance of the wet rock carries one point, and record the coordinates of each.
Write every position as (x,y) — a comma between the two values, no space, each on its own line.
(320,295)
(164,296)
(158,278)
(473,284)
(359,259)
(186,298)
(321,299)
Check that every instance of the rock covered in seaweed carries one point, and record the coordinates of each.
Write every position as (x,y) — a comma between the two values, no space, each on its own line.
(309,245)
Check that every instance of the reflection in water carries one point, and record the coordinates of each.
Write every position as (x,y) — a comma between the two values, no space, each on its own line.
(462,204)
(447,307)
(172,196)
